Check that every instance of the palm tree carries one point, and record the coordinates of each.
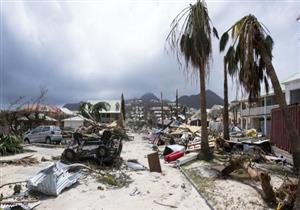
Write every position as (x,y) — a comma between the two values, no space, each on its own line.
(249,60)
(97,108)
(91,111)
(225,110)
(190,40)
(85,110)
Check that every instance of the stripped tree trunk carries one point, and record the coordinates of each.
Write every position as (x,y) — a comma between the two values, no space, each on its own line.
(241,162)
(204,135)
(225,111)
(297,202)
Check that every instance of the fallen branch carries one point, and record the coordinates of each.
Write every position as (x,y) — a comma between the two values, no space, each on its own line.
(243,162)
(27,160)
(162,204)
(18,201)
(10,183)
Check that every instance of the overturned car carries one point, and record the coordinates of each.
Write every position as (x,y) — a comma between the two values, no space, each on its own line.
(105,148)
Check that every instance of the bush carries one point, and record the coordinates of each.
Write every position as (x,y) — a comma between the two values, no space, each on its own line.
(10,144)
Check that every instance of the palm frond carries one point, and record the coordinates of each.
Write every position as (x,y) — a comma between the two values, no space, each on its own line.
(223,41)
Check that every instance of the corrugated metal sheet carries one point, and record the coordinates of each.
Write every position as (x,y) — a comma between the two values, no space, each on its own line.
(279,135)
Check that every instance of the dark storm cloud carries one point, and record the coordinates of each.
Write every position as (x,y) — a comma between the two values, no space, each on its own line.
(100,50)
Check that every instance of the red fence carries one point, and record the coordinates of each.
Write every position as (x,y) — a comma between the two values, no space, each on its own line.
(279,135)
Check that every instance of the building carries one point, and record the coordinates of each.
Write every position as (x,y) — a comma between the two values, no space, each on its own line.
(292,89)
(113,113)
(258,114)
(73,122)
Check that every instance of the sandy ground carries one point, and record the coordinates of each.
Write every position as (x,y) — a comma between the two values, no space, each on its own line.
(235,192)
(170,187)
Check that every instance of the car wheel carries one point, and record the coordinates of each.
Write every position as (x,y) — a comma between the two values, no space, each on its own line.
(26,141)
(48,140)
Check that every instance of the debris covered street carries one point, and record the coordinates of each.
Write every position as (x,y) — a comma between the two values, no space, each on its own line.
(146,190)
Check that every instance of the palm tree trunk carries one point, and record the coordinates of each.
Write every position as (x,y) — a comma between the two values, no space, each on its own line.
(225,111)
(291,129)
(297,202)
(204,134)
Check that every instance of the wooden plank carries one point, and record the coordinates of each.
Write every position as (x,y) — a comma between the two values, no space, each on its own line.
(153,161)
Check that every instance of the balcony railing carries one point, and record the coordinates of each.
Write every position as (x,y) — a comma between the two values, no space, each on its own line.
(257,111)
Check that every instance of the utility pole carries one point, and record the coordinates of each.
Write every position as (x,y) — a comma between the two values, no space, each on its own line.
(162,109)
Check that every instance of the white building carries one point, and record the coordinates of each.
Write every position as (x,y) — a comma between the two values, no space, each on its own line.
(74,122)
(292,89)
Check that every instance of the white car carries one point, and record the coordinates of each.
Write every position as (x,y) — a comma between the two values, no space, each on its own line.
(45,134)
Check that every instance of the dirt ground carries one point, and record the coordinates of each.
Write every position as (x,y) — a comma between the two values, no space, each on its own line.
(237,191)
(170,187)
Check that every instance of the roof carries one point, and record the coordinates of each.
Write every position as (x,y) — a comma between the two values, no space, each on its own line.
(40,108)
(66,111)
(292,78)
(114,105)
(78,118)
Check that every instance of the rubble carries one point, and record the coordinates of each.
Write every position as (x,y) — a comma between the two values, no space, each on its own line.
(53,179)
(25,161)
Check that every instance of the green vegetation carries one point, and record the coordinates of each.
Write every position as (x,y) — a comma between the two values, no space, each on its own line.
(10,144)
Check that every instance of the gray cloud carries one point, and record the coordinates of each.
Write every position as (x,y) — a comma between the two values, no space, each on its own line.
(99,49)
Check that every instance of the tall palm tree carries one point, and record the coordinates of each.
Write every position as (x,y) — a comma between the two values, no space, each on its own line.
(249,60)
(225,110)
(190,40)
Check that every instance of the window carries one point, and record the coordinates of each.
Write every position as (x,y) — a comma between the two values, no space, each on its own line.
(295,96)
(47,128)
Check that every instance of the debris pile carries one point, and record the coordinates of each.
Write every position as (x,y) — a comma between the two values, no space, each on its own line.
(25,161)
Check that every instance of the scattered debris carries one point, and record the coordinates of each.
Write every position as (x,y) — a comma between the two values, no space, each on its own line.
(134,165)
(167,205)
(154,164)
(27,160)
(116,179)
(187,158)
(53,179)
(135,192)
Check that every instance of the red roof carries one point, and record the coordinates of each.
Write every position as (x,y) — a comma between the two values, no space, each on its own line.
(40,108)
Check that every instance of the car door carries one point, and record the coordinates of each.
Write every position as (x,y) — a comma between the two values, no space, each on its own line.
(44,133)
(34,135)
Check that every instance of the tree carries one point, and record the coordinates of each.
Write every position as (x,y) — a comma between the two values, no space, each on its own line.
(249,60)
(225,110)
(91,111)
(123,106)
(191,42)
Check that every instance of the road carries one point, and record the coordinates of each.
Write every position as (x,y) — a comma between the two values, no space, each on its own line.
(169,188)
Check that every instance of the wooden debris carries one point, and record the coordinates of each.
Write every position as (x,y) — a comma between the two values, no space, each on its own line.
(27,160)
(154,164)
(162,204)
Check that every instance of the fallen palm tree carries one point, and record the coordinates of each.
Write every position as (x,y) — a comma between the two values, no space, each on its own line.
(284,196)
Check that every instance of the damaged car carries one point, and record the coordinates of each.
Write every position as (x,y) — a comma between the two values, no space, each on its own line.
(105,148)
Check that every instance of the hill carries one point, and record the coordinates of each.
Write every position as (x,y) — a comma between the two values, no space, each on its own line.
(193,101)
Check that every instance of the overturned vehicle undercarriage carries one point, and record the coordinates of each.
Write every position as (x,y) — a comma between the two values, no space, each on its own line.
(105,148)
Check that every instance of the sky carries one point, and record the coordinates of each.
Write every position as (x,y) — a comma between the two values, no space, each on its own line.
(81,50)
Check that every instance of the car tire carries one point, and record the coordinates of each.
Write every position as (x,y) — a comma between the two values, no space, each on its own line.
(48,140)
(26,141)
